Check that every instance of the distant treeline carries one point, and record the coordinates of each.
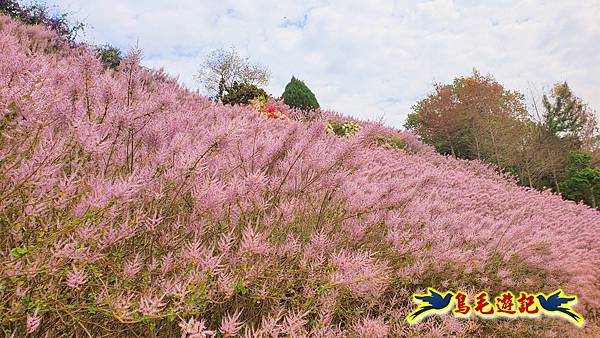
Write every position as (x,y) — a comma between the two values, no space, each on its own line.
(554,145)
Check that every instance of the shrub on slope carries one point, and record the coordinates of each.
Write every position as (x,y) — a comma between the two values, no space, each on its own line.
(131,206)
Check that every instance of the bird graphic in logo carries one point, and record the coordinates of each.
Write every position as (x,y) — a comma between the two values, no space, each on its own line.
(432,302)
(558,304)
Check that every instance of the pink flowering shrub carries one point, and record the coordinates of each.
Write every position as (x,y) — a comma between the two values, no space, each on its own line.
(131,206)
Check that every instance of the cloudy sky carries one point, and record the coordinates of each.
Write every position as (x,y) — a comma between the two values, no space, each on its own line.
(371,59)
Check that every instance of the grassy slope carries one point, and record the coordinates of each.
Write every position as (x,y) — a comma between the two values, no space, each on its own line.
(130,205)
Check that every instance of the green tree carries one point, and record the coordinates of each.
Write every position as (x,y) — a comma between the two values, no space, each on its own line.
(242,93)
(583,181)
(298,95)
(109,56)
(563,111)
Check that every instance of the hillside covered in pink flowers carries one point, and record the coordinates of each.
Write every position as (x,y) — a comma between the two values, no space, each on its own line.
(131,206)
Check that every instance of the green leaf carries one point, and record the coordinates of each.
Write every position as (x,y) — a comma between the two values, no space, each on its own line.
(152,326)
(19,252)
(26,300)
(240,289)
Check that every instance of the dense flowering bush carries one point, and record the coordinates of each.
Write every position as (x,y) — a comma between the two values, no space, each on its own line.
(130,206)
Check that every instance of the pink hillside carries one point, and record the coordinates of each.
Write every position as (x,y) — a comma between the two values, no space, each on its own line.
(130,205)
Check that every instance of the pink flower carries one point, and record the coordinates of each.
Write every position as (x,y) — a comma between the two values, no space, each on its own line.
(173,204)
(150,305)
(371,327)
(33,322)
(294,323)
(132,267)
(359,272)
(76,278)
(230,324)
(194,329)
(254,242)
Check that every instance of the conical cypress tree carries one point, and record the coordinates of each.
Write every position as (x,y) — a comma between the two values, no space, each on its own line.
(297,95)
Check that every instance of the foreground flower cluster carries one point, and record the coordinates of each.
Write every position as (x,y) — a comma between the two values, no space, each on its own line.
(132,206)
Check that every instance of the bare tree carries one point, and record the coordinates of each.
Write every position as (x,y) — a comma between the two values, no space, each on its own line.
(222,68)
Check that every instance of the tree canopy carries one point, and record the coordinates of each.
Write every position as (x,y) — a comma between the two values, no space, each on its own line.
(456,118)
(298,95)
(583,180)
(563,111)
(223,68)
(242,93)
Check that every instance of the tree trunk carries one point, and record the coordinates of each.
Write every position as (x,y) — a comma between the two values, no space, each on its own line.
(495,150)
(528,174)
(477,148)
(452,147)
(555,180)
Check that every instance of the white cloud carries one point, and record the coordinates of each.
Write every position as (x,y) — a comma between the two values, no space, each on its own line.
(365,58)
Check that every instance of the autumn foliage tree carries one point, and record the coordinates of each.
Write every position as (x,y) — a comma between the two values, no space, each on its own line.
(476,118)
(464,118)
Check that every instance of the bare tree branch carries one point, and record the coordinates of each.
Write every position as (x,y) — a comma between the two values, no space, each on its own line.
(222,68)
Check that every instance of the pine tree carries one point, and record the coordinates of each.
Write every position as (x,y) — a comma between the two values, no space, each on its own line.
(564,112)
(298,95)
